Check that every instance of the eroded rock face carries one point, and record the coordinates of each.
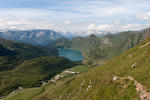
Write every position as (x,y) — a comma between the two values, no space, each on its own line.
(106,41)
(144,95)
(130,56)
(115,78)
(134,65)
(89,86)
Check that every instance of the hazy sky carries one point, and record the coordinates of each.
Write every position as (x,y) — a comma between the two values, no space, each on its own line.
(75,15)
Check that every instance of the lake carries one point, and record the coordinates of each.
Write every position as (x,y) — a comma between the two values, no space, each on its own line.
(73,55)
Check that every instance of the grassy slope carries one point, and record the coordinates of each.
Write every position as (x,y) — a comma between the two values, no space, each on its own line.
(14,53)
(80,68)
(31,72)
(32,93)
(25,65)
(102,85)
(101,79)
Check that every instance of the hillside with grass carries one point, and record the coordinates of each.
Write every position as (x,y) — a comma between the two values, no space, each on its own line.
(14,53)
(125,77)
(24,65)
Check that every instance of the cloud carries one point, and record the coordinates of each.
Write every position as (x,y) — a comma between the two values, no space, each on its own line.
(91,26)
(118,22)
(104,27)
(24,24)
(113,28)
(132,27)
(74,15)
(101,27)
(68,22)
(145,16)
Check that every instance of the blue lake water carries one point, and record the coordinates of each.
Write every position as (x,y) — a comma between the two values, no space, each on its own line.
(73,55)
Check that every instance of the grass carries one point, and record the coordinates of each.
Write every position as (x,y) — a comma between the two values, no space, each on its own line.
(80,68)
(100,80)
(36,93)
(97,83)
(29,94)
(31,72)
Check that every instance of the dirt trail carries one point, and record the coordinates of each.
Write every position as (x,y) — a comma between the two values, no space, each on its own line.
(148,43)
(144,94)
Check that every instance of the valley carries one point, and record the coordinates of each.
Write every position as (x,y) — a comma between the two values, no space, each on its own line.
(75,50)
(98,50)
(117,79)
(82,65)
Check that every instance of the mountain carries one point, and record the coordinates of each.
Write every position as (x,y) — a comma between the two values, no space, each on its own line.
(37,37)
(126,77)
(123,78)
(15,52)
(97,50)
(60,43)
(26,65)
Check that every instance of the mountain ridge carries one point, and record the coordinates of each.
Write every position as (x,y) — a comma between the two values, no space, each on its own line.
(36,37)
(103,48)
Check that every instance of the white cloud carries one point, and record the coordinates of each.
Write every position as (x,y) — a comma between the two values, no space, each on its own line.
(24,24)
(132,27)
(104,27)
(118,22)
(91,26)
(147,25)
(90,15)
(145,16)
(68,22)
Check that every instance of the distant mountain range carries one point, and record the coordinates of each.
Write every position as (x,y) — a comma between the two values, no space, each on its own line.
(43,37)
(37,37)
